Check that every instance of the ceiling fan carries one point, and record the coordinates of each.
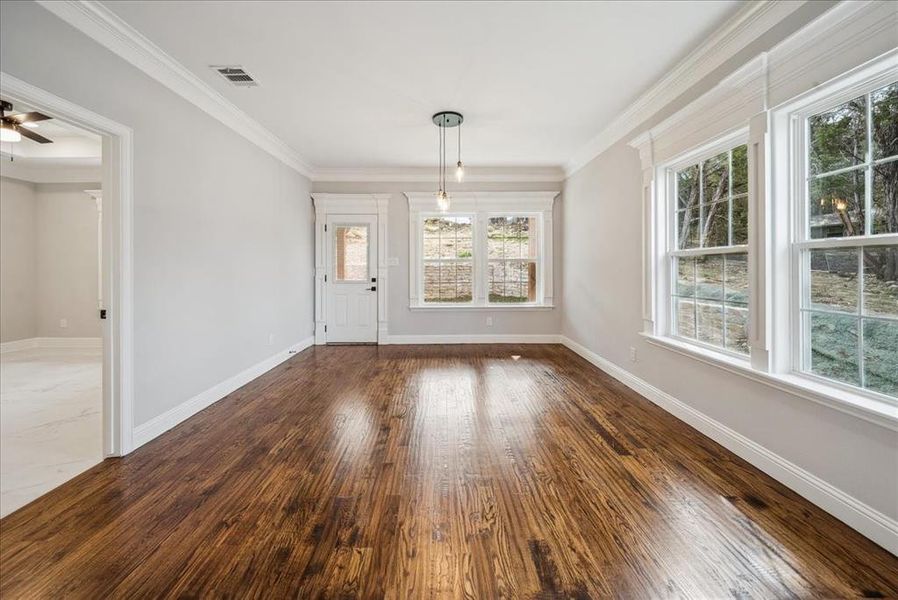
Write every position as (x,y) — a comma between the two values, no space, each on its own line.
(12,127)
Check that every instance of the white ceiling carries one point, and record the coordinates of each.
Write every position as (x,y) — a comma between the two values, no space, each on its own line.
(353,84)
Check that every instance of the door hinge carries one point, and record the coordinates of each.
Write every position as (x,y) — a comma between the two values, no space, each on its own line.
(325,226)
(325,278)
(325,329)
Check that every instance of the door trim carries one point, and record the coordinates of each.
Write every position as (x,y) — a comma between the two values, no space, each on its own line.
(350,204)
(117,268)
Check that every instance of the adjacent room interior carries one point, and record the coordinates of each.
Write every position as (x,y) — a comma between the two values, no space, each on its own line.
(449,299)
(50,257)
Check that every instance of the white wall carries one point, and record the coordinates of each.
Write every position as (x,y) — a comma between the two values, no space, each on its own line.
(18,264)
(222,230)
(406,322)
(602,234)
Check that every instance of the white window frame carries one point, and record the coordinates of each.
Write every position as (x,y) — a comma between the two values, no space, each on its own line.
(540,261)
(422,217)
(762,95)
(790,136)
(667,199)
(482,206)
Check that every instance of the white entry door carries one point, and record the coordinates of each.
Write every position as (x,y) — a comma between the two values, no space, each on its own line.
(351,282)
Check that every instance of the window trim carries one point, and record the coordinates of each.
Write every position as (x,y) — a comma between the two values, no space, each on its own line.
(482,206)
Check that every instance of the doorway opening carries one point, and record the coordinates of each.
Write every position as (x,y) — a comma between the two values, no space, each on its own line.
(65,332)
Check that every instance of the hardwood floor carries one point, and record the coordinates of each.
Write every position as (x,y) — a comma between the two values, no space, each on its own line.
(433,471)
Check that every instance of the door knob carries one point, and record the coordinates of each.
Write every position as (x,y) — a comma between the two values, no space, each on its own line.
(373,288)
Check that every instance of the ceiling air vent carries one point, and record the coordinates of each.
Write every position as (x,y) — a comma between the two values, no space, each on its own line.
(235,75)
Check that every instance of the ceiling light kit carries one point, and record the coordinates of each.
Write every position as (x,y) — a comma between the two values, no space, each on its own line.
(11,126)
(444,120)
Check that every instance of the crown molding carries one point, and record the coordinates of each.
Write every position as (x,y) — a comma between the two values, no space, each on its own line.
(744,27)
(425,174)
(109,30)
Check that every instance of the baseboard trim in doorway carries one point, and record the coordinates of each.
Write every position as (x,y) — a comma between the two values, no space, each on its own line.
(861,517)
(169,419)
(549,338)
(51,342)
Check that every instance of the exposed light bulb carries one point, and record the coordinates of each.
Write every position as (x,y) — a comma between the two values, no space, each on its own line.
(8,134)
(443,201)
(459,172)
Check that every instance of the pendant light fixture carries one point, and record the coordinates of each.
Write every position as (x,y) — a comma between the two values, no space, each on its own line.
(444,120)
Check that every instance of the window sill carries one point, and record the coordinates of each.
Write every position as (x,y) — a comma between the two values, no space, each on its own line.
(876,411)
(475,307)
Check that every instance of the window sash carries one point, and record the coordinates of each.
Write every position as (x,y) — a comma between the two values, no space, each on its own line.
(802,243)
(674,252)
(536,258)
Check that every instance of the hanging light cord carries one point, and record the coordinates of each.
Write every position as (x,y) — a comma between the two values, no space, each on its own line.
(459,143)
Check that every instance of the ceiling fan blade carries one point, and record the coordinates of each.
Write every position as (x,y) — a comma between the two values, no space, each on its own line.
(29,117)
(33,136)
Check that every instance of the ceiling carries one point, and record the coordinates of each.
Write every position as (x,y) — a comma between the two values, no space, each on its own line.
(353,84)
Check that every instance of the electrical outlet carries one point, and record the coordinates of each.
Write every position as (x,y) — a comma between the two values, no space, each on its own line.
(489,321)
(63,323)
(632,354)
(270,339)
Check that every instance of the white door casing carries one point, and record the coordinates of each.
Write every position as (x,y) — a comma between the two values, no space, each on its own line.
(347,208)
(351,278)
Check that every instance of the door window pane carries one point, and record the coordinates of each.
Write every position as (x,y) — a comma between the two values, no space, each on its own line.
(351,252)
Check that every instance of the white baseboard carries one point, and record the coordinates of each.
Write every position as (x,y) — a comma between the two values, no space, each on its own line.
(536,338)
(865,519)
(51,342)
(158,425)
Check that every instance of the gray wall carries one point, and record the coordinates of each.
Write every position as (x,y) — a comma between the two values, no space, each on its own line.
(18,264)
(49,253)
(222,230)
(402,320)
(67,271)
(602,264)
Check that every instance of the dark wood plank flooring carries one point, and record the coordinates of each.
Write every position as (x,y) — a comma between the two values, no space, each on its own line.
(433,471)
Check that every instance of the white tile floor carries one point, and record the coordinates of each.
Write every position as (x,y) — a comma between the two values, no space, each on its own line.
(50,420)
